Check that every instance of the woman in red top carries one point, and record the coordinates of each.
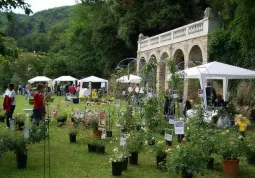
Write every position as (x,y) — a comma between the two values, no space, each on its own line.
(39,107)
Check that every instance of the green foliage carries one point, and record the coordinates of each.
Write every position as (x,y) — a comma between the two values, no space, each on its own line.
(187,158)
(94,123)
(134,141)
(20,118)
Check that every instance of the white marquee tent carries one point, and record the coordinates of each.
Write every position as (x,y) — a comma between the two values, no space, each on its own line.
(65,79)
(39,79)
(93,79)
(217,70)
(129,79)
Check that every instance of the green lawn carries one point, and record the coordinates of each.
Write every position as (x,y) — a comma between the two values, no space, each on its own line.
(73,160)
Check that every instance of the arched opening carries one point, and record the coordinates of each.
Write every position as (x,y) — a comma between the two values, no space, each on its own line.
(195,59)
(141,62)
(179,58)
(161,72)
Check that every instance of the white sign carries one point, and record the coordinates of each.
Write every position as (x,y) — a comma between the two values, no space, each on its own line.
(103,134)
(200,93)
(117,103)
(130,89)
(28,111)
(123,139)
(175,94)
(168,135)
(87,92)
(179,127)
(171,119)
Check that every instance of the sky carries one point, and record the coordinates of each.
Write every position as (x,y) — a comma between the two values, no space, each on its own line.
(39,5)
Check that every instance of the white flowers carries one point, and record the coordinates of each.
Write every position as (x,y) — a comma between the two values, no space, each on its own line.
(116,149)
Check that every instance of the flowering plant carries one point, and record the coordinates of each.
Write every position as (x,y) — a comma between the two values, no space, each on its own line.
(117,155)
(159,148)
(72,129)
(134,142)
(20,118)
(187,158)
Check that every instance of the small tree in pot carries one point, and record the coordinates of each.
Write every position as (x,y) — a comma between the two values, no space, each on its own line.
(134,146)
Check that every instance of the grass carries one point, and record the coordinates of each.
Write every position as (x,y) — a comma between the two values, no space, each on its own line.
(73,160)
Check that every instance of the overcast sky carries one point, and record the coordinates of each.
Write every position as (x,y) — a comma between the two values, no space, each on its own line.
(39,5)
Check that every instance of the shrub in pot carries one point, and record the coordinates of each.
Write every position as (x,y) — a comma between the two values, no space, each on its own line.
(117,161)
(20,119)
(134,146)
(159,149)
(100,146)
(230,148)
(90,140)
(188,160)
(2,115)
(249,150)
(72,133)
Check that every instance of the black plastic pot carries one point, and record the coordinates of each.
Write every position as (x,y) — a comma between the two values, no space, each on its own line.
(169,143)
(72,138)
(251,160)
(116,168)
(161,161)
(92,148)
(138,127)
(109,133)
(151,142)
(125,163)
(2,118)
(21,160)
(100,149)
(210,163)
(185,174)
(133,158)
(180,137)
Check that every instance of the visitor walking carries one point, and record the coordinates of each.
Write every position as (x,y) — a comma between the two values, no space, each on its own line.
(9,103)
(39,106)
(28,91)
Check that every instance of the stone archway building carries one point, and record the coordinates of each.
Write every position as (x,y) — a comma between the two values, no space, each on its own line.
(187,45)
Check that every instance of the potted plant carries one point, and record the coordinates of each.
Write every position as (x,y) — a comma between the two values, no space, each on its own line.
(134,146)
(100,146)
(91,140)
(94,126)
(187,159)
(249,150)
(2,115)
(20,120)
(230,148)
(159,149)
(73,131)
(20,149)
(117,162)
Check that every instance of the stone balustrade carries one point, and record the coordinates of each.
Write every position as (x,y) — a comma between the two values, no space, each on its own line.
(193,30)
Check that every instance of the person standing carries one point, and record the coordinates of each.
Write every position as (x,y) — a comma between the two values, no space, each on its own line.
(39,106)
(72,89)
(77,91)
(28,91)
(20,89)
(58,90)
(210,94)
(9,103)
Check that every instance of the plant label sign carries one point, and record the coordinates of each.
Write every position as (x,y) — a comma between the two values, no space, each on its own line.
(200,93)
(103,134)
(28,111)
(171,119)
(87,92)
(117,103)
(175,94)
(168,135)
(179,127)
(123,139)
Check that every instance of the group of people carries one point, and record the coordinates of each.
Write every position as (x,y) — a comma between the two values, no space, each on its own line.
(39,111)
(68,88)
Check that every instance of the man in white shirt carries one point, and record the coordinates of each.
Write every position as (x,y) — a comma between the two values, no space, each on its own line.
(11,93)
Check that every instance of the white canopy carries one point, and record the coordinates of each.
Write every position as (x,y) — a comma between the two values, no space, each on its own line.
(39,79)
(129,79)
(65,79)
(217,70)
(93,79)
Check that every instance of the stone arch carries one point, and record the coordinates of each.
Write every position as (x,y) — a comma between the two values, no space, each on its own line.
(161,72)
(179,58)
(195,59)
(141,62)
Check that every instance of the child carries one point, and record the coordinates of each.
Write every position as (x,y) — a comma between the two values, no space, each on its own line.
(242,124)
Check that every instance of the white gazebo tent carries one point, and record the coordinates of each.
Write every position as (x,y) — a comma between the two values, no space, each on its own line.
(216,70)
(39,79)
(93,79)
(65,79)
(129,79)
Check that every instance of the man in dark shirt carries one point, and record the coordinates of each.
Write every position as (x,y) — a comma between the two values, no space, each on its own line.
(210,94)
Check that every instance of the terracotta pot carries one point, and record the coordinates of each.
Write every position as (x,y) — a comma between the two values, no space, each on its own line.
(230,167)
(97,133)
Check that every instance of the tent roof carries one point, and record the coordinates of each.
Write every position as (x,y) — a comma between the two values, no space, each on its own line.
(93,79)
(65,79)
(217,70)
(39,79)
(129,79)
